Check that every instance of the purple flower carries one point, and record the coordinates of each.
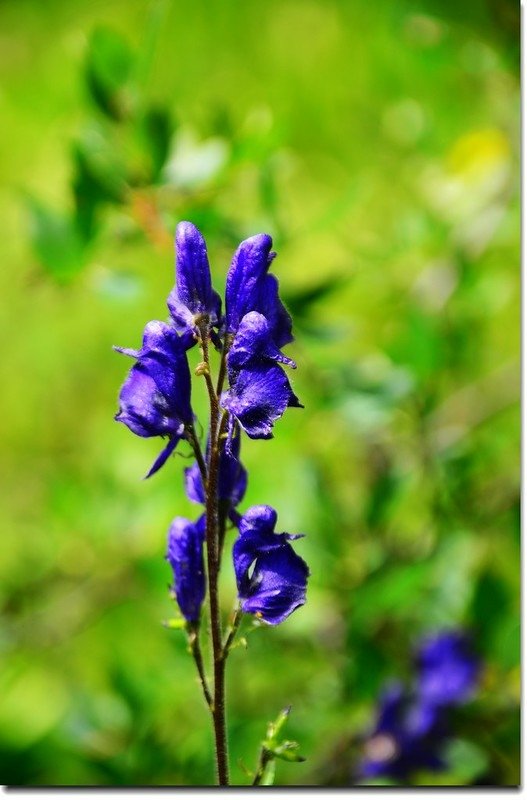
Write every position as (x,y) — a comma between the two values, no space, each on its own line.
(254,344)
(250,288)
(193,295)
(448,668)
(185,555)
(232,477)
(409,735)
(258,396)
(270,576)
(155,397)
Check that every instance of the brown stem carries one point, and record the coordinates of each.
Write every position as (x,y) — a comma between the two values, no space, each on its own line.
(212,540)
(213,399)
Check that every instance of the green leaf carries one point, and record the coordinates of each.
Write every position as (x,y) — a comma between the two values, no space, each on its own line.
(108,71)
(55,241)
(274,728)
(287,751)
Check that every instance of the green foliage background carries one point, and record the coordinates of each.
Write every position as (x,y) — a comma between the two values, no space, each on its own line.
(378,143)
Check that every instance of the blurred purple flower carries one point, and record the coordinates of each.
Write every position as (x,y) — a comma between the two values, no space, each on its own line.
(448,668)
(413,725)
(408,735)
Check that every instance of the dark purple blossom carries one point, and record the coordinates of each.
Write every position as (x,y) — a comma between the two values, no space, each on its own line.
(258,396)
(254,344)
(409,735)
(155,397)
(232,477)
(250,288)
(193,296)
(270,576)
(185,555)
(448,668)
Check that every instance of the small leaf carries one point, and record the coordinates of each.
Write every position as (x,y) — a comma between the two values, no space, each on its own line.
(275,727)
(287,751)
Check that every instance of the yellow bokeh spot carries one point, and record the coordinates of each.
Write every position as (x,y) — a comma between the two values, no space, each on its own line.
(479,152)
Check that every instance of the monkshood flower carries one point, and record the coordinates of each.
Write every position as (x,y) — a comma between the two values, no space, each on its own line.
(155,397)
(232,477)
(409,735)
(250,287)
(185,556)
(271,578)
(193,299)
(448,668)
(259,390)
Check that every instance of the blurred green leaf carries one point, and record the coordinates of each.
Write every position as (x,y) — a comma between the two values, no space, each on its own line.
(55,241)
(109,64)
(466,761)
(299,302)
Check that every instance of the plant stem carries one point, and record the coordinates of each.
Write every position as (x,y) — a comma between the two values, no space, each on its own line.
(263,760)
(195,649)
(238,614)
(196,447)
(212,540)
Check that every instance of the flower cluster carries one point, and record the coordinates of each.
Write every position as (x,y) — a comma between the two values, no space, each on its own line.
(155,400)
(413,726)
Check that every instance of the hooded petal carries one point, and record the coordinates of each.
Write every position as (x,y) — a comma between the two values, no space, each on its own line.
(258,397)
(277,585)
(155,397)
(143,408)
(270,576)
(185,555)
(254,344)
(163,356)
(270,305)
(247,271)
(193,294)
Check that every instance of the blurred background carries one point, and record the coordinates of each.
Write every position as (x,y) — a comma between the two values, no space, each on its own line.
(379,144)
